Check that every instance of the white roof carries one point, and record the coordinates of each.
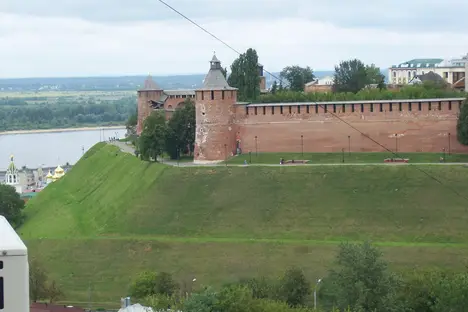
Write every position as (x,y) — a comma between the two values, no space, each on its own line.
(10,242)
(136,308)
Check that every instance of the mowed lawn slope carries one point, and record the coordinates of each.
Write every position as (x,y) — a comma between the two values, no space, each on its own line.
(113,216)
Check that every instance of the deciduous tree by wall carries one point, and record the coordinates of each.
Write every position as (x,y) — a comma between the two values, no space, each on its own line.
(180,136)
(297,76)
(462,124)
(11,205)
(153,137)
(244,75)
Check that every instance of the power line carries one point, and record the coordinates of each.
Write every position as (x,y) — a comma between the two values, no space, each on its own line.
(320,105)
(213,35)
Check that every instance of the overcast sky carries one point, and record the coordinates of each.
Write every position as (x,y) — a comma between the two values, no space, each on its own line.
(45,38)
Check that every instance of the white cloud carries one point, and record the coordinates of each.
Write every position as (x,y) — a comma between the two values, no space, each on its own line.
(38,45)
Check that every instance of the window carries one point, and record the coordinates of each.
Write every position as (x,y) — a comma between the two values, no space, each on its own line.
(400,107)
(325,109)
(299,109)
(281,110)
(246,110)
(445,75)
(381,107)
(334,108)
(440,105)
(308,109)
(409,75)
(390,107)
(430,106)
(316,108)
(362,108)
(272,110)
(212,95)
(255,110)
(343,108)
(409,107)
(264,110)
(1,265)
(419,106)
(394,74)
(352,108)
(222,94)
(290,109)
(202,95)
(450,105)
(372,107)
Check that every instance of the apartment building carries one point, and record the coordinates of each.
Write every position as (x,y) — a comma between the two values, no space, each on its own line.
(451,70)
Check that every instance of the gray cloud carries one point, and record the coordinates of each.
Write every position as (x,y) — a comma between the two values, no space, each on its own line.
(398,15)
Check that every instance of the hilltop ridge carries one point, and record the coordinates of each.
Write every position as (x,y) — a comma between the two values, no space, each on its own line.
(114,215)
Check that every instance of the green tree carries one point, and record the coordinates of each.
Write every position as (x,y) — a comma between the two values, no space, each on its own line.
(152,140)
(262,288)
(40,286)
(244,75)
(11,205)
(181,130)
(350,76)
(150,283)
(451,292)
(297,76)
(462,124)
(206,301)
(375,76)
(294,287)
(131,123)
(362,280)
(274,87)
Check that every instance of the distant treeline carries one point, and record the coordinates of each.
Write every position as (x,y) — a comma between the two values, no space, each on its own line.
(18,115)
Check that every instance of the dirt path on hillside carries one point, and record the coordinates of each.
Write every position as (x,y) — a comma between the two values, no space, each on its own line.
(128,148)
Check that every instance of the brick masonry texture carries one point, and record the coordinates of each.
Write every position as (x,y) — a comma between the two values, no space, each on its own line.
(417,126)
(424,128)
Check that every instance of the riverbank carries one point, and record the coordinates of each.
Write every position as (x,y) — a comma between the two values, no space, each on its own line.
(60,130)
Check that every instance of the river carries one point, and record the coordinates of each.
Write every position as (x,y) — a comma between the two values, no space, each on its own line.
(51,148)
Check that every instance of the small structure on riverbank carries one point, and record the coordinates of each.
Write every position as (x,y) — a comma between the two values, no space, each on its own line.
(12,176)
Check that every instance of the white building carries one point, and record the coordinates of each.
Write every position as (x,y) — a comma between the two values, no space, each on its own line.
(14,270)
(451,70)
(12,176)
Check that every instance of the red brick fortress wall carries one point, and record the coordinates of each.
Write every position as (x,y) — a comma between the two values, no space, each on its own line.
(420,126)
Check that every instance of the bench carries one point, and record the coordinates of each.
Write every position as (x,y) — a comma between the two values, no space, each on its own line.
(396,160)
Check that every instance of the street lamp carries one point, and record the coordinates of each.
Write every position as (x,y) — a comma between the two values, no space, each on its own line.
(302,146)
(349,145)
(225,154)
(449,150)
(443,150)
(315,293)
(342,155)
(250,157)
(256,149)
(178,156)
(396,143)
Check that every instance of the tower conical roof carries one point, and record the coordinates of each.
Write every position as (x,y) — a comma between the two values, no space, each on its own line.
(215,79)
(150,84)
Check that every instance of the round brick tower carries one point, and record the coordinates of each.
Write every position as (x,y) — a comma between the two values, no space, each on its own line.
(215,137)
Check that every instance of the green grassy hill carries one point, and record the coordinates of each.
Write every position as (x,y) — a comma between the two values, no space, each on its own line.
(113,215)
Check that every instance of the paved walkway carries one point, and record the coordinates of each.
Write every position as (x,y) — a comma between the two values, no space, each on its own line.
(127,148)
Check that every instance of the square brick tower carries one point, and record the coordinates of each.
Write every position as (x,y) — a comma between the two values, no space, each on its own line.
(150,92)
(215,137)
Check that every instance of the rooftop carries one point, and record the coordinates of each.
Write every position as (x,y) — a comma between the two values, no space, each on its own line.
(420,63)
